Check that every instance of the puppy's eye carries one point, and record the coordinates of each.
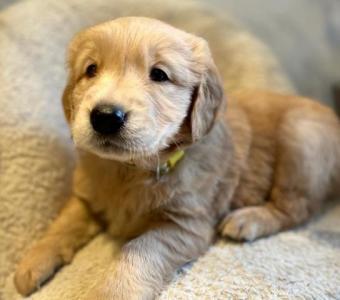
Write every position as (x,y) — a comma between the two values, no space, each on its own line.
(158,75)
(91,70)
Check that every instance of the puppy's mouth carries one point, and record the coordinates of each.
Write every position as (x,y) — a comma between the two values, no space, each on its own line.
(118,148)
(111,145)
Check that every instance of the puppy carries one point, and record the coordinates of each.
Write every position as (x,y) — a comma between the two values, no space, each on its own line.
(164,165)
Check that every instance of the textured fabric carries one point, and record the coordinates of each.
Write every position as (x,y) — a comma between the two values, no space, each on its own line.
(36,160)
(300,264)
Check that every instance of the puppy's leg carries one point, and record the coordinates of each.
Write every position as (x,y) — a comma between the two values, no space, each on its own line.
(148,262)
(72,229)
(287,207)
(250,223)
(308,151)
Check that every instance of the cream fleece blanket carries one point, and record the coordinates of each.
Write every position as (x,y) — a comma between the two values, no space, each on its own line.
(36,159)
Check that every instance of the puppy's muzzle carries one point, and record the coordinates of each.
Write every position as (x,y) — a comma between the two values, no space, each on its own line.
(107,119)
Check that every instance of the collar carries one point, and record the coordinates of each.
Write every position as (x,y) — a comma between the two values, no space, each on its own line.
(170,164)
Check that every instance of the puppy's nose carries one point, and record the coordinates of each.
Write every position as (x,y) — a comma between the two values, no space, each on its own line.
(107,119)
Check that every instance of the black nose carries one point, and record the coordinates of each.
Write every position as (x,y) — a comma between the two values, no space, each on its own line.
(107,119)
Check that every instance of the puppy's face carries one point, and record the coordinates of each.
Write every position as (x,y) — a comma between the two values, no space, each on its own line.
(133,82)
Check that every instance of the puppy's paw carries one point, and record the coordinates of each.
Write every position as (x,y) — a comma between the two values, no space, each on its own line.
(248,224)
(37,266)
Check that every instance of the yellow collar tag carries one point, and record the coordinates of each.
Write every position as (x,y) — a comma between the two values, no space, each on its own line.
(171,163)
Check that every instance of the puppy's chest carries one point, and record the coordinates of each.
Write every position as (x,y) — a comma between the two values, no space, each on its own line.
(124,204)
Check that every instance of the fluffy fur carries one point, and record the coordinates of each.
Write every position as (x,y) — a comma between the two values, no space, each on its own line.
(262,165)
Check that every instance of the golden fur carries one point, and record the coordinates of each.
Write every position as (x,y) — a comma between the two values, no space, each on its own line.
(262,165)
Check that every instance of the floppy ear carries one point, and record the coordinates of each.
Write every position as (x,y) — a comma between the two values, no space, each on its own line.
(66,98)
(207,96)
(67,102)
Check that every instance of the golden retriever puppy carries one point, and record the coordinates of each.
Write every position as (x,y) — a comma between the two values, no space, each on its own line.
(163,164)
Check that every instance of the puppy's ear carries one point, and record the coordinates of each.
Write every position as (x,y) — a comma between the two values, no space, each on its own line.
(207,96)
(66,101)
(66,98)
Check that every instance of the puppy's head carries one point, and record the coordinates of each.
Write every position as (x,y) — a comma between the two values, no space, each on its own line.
(134,83)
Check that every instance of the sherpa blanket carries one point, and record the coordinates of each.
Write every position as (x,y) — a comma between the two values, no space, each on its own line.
(37,158)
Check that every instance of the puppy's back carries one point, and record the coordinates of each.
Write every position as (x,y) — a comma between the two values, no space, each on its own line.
(271,124)
(266,110)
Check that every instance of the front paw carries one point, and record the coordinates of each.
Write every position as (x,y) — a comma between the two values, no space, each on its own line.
(249,223)
(37,266)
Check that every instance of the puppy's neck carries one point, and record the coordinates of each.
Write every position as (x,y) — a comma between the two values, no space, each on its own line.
(165,166)
(154,166)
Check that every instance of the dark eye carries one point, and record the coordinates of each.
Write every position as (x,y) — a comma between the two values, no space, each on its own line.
(158,75)
(91,70)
